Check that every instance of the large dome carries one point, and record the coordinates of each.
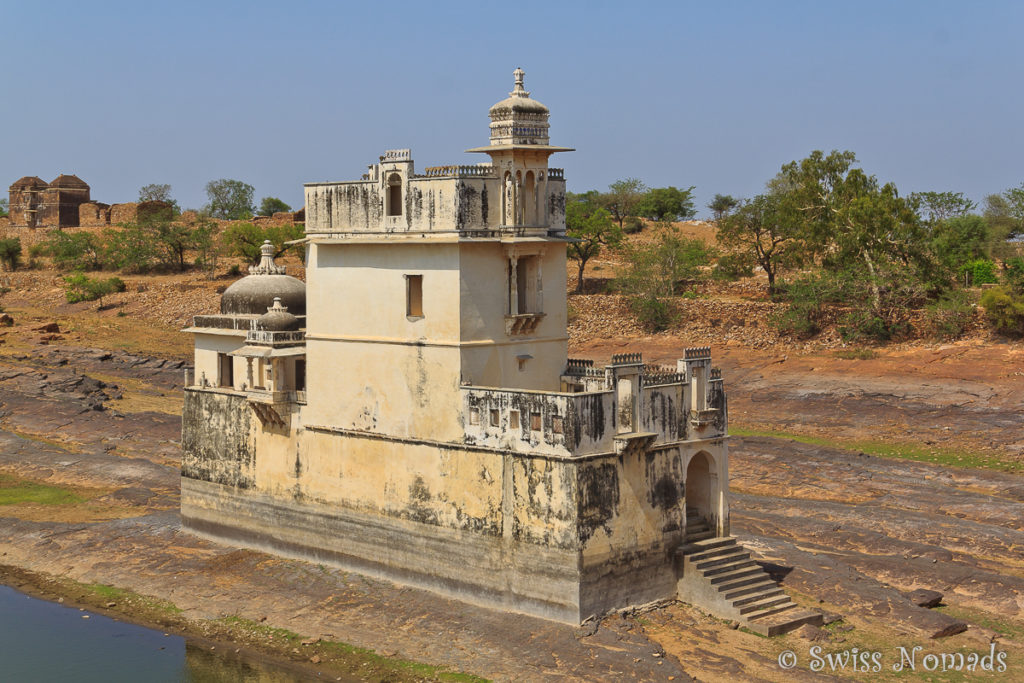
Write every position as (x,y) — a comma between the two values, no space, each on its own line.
(254,294)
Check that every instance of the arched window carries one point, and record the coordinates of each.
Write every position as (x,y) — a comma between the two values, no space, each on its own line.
(529,200)
(394,195)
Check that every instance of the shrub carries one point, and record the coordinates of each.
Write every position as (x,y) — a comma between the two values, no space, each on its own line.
(1013,274)
(979,272)
(1004,310)
(809,297)
(73,250)
(950,316)
(632,225)
(654,314)
(10,253)
(79,287)
(732,267)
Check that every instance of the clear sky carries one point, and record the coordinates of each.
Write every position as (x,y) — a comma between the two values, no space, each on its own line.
(712,94)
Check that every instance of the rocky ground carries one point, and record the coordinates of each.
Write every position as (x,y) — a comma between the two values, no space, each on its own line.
(861,479)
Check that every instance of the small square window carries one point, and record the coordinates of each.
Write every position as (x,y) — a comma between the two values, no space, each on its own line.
(513,419)
(535,423)
(495,417)
(557,425)
(474,416)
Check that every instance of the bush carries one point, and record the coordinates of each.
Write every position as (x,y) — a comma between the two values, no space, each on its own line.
(73,250)
(632,225)
(654,314)
(809,297)
(732,267)
(10,253)
(950,316)
(1004,310)
(1013,274)
(979,272)
(79,287)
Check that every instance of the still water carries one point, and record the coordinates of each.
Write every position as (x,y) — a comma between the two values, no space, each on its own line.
(44,642)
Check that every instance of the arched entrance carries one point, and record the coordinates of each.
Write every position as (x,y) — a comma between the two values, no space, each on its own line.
(702,488)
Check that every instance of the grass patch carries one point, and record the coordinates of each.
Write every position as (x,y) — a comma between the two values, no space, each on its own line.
(14,490)
(856,354)
(128,597)
(357,659)
(1011,630)
(948,457)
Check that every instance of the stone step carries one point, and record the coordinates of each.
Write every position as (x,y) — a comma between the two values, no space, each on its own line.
(736,554)
(700,535)
(785,622)
(765,604)
(763,594)
(719,570)
(706,544)
(744,579)
(718,551)
(748,570)
(755,616)
(746,587)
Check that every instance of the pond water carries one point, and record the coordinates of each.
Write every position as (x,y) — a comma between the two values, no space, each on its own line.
(43,641)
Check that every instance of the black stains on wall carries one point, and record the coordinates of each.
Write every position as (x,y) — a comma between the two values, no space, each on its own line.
(483,205)
(598,500)
(216,441)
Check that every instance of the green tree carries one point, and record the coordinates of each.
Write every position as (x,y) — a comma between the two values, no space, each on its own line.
(245,239)
(959,240)
(79,287)
(229,199)
(722,204)
(156,192)
(656,272)
(853,218)
(271,205)
(74,250)
(936,207)
(591,227)
(10,252)
(622,198)
(667,204)
(3,207)
(767,229)
(130,248)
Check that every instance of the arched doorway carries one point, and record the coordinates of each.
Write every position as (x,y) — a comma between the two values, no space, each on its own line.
(702,488)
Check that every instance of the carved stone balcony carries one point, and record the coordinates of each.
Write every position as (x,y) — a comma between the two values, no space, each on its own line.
(523,323)
(632,443)
(702,418)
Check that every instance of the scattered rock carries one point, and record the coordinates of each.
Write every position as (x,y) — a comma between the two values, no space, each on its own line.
(734,625)
(811,633)
(310,641)
(111,604)
(6,320)
(923,597)
(315,659)
(830,618)
(49,327)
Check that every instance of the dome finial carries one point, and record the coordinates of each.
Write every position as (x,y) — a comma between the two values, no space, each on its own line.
(519,91)
(267,265)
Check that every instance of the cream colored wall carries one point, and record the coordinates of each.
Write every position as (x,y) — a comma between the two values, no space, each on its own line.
(489,354)
(207,346)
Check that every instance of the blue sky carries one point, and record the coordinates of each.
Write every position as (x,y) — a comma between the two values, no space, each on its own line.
(713,94)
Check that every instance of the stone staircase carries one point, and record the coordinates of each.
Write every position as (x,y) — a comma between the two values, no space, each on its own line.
(720,577)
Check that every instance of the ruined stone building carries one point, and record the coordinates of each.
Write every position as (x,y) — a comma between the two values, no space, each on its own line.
(34,203)
(410,411)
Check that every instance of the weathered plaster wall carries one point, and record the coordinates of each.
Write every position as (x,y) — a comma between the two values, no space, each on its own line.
(218,441)
(207,348)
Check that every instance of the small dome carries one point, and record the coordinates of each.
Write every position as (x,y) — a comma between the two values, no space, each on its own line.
(518,100)
(27,182)
(278,319)
(255,293)
(69,182)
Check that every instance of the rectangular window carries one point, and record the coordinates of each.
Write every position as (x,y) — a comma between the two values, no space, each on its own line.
(513,419)
(495,417)
(557,424)
(300,375)
(414,296)
(524,292)
(535,423)
(474,416)
(226,370)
